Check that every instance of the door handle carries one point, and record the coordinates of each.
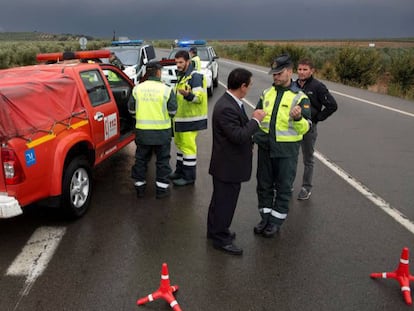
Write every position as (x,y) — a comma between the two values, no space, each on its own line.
(98,116)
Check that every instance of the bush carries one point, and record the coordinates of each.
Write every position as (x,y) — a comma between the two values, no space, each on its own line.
(357,67)
(402,73)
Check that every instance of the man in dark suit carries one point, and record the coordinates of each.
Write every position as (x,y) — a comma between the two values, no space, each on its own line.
(231,158)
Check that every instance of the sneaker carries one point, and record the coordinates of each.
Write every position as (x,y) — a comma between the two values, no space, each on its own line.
(140,191)
(304,194)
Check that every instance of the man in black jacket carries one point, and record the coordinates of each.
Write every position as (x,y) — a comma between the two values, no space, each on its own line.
(323,105)
(231,158)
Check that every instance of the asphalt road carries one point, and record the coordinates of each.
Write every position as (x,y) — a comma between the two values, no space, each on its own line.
(357,221)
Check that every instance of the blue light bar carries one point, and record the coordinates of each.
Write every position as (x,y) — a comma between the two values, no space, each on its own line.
(185,43)
(127,42)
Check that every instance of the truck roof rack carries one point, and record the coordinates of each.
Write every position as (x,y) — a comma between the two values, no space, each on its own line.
(81,55)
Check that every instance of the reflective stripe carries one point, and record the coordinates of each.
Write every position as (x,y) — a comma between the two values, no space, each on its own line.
(278,215)
(139,183)
(164,276)
(384,275)
(265,210)
(189,163)
(150,298)
(154,122)
(265,125)
(173,303)
(190,119)
(405,288)
(404,261)
(162,185)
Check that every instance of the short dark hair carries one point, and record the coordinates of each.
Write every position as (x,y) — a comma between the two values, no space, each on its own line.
(306,61)
(193,49)
(182,54)
(238,77)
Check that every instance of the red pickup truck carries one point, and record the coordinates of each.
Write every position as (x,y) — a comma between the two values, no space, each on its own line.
(57,121)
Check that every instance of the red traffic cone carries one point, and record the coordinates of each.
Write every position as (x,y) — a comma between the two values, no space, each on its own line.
(401,274)
(165,291)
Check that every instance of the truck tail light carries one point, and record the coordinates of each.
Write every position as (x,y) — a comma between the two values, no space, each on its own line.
(13,171)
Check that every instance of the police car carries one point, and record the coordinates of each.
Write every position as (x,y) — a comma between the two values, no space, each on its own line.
(134,55)
(209,64)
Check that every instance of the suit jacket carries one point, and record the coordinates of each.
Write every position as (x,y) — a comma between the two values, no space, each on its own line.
(232,152)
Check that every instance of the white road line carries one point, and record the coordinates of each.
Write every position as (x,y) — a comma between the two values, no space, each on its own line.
(35,255)
(373,103)
(370,195)
(361,188)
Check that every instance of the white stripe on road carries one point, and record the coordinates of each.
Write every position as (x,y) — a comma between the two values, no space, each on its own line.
(35,255)
(373,103)
(374,198)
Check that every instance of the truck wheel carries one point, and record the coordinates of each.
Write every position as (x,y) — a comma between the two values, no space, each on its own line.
(210,90)
(76,187)
(216,81)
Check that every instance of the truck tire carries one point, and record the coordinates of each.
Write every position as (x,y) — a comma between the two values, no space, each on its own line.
(210,90)
(76,187)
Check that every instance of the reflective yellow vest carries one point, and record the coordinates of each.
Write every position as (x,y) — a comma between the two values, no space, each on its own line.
(287,130)
(151,111)
(197,63)
(191,115)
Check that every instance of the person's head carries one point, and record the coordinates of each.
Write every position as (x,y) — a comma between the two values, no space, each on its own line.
(182,60)
(112,57)
(192,51)
(305,68)
(153,69)
(239,81)
(282,70)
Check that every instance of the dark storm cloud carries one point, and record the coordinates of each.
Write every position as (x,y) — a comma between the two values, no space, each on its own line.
(214,19)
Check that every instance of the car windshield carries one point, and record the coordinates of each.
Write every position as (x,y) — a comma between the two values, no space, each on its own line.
(128,57)
(201,52)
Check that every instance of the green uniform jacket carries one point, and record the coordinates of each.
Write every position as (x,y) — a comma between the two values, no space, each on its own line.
(282,135)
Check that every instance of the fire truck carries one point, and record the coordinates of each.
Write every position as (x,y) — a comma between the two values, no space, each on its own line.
(58,120)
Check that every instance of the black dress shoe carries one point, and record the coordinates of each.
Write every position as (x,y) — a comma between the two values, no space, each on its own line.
(229,248)
(259,228)
(270,230)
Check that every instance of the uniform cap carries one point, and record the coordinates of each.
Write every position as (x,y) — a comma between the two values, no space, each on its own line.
(154,65)
(193,49)
(280,63)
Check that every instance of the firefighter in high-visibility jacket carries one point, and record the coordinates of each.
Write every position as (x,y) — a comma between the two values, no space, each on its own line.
(155,105)
(195,58)
(191,117)
(287,120)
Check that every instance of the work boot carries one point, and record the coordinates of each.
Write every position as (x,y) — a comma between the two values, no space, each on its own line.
(304,194)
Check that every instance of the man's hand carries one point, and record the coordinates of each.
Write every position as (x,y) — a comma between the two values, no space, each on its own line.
(259,114)
(296,113)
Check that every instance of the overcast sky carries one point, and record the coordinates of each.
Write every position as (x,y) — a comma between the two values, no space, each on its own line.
(213,19)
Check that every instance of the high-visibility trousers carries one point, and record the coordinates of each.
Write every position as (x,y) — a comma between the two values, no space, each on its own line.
(186,154)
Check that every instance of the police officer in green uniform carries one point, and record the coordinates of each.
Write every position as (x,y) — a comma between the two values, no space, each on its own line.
(287,120)
(155,105)
(195,58)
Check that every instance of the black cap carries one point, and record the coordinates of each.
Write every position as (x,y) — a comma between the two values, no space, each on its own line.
(280,63)
(153,64)
(193,49)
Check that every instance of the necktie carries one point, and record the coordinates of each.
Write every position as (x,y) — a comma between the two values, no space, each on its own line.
(242,108)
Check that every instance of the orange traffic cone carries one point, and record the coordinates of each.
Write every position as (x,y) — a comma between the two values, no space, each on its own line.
(401,274)
(165,291)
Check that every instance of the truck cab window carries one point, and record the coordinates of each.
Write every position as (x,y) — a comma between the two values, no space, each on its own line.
(95,87)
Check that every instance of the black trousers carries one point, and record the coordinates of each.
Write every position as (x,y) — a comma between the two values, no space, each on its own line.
(143,155)
(221,211)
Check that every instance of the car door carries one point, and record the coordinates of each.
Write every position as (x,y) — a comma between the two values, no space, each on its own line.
(104,118)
